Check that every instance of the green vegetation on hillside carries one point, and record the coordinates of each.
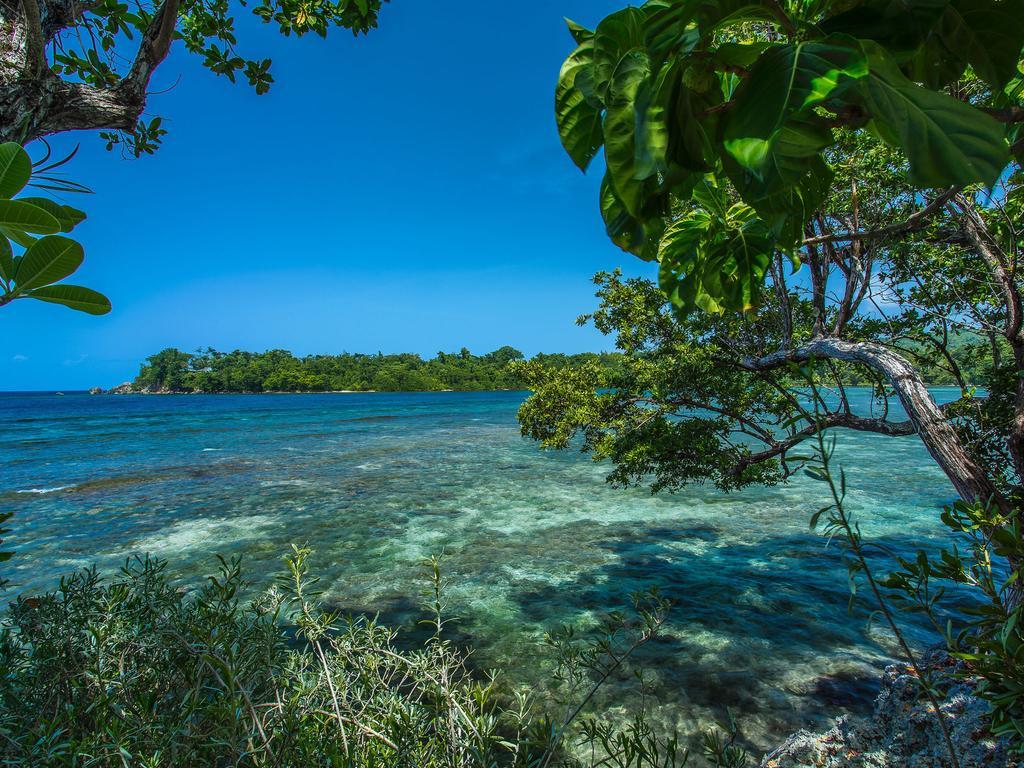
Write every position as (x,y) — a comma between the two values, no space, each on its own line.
(280,371)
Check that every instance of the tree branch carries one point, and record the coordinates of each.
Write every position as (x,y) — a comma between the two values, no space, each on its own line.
(156,43)
(1012,114)
(936,432)
(35,54)
(833,420)
(915,221)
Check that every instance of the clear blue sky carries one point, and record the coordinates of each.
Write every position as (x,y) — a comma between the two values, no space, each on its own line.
(403,191)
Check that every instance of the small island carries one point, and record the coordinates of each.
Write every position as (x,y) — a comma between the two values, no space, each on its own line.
(208,371)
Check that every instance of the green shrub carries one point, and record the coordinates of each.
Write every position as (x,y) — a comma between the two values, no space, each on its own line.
(136,672)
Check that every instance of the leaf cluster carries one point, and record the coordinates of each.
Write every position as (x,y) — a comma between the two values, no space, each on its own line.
(280,371)
(33,223)
(690,96)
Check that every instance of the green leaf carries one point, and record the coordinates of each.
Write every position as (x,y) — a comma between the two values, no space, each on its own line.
(620,124)
(713,258)
(692,125)
(577,111)
(946,141)
(25,217)
(25,241)
(15,169)
(73,296)
(50,259)
(615,36)
(989,33)
(652,104)
(787,79)
(794,181)
(67,216)
(579,33)
(6,259)
(629,233)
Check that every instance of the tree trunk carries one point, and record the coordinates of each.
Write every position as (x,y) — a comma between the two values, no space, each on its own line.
(971,482)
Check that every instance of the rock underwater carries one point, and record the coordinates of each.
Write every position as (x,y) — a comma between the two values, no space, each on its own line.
(902,732)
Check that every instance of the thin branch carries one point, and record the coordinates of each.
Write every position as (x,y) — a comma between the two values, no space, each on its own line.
(913,222)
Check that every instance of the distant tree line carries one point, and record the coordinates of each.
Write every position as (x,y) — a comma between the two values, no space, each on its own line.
(278,370)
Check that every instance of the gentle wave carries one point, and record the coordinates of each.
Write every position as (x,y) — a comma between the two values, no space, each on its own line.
(46,490)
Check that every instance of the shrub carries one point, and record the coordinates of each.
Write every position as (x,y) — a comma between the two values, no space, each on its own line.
(135,672)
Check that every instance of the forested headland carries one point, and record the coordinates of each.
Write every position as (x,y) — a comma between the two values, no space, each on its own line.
(278,370)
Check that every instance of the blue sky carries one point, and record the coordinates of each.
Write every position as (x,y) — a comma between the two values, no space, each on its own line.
(403,191)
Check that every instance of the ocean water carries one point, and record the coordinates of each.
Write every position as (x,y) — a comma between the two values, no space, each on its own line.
(376,482)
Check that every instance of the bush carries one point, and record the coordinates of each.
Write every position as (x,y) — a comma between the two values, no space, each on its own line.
(136,672)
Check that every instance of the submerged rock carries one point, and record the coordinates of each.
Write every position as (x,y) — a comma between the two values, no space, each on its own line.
(902,732)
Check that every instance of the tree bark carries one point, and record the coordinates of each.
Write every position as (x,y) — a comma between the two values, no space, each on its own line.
(35,102)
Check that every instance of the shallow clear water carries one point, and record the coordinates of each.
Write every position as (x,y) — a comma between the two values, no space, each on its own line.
(377,482)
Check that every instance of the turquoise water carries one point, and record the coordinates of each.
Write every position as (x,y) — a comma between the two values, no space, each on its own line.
(377,482)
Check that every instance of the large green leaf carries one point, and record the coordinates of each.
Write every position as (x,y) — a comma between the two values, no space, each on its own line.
(579,33)
(793,181)
(615,36)
(786,80)
(678,256)
(25,217)
(15,169)
(725,272)
(653,105)
(67,216)
(620,124)
(945,140)
(988,33)
(899,25)
(73,296)
(50,259)
(577,111)
(6,259)
(639,237)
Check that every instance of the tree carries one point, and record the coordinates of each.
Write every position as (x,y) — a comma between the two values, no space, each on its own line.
(735,135)
(876,147)
(67,65)
(166,370)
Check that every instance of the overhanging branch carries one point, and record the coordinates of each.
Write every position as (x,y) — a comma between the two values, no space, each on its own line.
(156,43)
(915,221)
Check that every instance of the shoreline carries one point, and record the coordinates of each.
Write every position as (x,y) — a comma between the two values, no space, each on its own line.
(300,392)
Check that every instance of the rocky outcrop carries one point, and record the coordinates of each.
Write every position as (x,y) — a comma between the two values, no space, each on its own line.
(122,389)
(96,391)
(902,732)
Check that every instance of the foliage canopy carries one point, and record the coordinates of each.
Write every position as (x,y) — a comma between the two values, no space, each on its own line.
(280,371)
(690,97)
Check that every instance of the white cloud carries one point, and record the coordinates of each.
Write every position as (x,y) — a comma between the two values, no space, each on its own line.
(19,358)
